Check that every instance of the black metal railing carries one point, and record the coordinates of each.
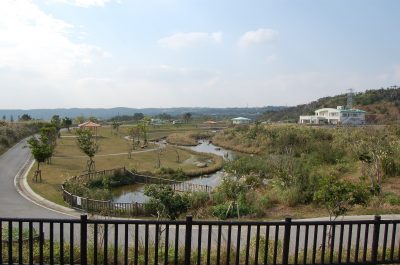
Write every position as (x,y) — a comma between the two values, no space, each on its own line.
(84,241)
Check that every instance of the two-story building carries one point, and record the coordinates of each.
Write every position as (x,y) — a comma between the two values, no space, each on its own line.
(340,115)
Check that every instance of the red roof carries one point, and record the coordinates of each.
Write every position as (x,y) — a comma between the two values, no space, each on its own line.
(89,124)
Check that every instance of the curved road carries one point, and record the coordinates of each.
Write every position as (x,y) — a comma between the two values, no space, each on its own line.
(12,204)
(15,161)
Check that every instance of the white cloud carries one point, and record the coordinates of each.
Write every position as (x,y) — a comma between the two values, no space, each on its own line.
(182,40)
(33,41)
(84,3)
(258,36)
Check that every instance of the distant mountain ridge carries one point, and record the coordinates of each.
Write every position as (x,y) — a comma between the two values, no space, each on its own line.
(106,113)
(382,106)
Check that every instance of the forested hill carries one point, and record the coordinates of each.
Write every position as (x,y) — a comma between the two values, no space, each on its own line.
(381,105)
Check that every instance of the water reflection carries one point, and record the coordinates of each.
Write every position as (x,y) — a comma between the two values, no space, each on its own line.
(205,146)
(134,193)
(129,193)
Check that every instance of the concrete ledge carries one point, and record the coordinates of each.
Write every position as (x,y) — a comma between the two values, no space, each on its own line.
(23,188)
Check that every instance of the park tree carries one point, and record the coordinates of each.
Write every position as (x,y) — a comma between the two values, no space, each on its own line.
(233,189)
(56,122)
(164,116)
(41,151)
(49,132)
(143,130)
(373,151)
(25,117)
(160,151)
(340,196)
(87,143)
(165,202)
(80,119)
(138,116)
(66,123)
(134,136)
(115,126)
(186,117)
(93,119)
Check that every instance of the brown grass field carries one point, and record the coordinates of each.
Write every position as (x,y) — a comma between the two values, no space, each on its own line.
(68,160)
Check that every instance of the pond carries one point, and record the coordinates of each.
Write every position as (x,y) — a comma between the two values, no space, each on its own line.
(130,193)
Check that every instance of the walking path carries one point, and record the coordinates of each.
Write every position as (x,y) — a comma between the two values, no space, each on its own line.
(15,197)
(19,200)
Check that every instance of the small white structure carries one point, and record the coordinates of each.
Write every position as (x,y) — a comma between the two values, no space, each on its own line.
(157,122)
(177,122)
(340,115)
(240,120)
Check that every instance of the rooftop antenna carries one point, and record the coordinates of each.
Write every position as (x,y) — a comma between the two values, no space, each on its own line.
(349,99)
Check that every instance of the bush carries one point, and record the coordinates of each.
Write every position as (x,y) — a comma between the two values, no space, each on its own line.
(81,190)
(166,202)
(260,203)
(226,210)
(392,199)
(170,173)
(198,199)
(10,135)
(246,165)
(293,197)
(390,167)
(217,198)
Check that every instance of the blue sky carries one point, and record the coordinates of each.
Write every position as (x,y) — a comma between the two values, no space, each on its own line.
(169,53)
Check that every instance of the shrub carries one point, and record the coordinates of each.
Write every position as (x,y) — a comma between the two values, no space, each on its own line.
(166,202)
(217,198)
(198,199)
(167,172)
(392,199)
(228,210)
(246,165)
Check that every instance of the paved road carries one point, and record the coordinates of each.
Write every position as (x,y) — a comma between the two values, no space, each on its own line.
(13,204)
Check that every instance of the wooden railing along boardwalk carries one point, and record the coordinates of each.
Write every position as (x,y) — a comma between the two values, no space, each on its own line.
(111,208)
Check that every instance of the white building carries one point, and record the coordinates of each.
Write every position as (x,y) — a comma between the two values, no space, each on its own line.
(241,120)
(157,122)
(339,115)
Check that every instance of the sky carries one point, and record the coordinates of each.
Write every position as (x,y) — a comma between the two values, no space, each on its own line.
(192,53)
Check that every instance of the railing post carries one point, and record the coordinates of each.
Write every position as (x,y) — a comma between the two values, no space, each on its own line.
(286,241)
(83,239)
(188,239)
(375,240)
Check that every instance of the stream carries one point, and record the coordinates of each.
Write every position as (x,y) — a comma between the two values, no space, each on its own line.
(129,193)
